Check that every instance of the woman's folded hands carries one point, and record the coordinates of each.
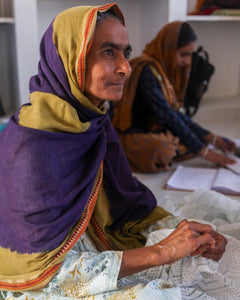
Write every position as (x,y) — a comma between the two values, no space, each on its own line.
(189,238)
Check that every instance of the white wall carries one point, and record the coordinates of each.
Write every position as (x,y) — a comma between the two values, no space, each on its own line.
(221,40)
(143,18)
(47,10)
(25,12)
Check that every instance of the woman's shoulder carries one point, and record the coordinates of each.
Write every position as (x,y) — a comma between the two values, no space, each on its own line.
(150,73)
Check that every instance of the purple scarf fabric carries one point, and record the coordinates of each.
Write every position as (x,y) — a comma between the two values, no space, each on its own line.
(46,178)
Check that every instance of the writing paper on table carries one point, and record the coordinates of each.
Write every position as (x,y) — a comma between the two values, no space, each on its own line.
(190,179)
(235,167)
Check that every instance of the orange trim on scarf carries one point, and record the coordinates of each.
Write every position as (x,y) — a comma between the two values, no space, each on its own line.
(100,233)
(86,217)
(25,286)
(49,273)
(82,57)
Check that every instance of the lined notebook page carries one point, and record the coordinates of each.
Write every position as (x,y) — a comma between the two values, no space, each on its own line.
(235,167)
(188,178)
(227,182)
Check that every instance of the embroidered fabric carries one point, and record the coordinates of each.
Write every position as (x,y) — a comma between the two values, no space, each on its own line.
(88,274)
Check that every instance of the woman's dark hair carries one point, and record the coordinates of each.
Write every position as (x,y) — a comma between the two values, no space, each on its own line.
(186,35)
(103,15)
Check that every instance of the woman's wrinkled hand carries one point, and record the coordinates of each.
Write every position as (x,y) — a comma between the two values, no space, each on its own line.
(224,144)
(216,158)
(215,252)
(191,238)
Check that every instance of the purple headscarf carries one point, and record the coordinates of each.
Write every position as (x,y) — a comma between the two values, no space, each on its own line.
(47,177)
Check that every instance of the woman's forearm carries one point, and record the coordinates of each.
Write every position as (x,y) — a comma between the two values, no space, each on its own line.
(137,260)
(209,138)
(189,238)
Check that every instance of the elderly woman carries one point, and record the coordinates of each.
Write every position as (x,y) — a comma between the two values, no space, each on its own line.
(74,222)
(152,129)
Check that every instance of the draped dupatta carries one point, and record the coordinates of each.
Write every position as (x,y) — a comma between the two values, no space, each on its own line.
(160,55)
(163,49)
(62,169)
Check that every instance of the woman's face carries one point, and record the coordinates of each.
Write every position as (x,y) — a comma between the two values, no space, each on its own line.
(107,66)
(184,54)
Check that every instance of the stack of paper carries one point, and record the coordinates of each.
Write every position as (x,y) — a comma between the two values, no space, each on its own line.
(190,178)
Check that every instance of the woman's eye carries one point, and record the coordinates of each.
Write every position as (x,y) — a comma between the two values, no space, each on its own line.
(183,55)
(109,52)
(127,54)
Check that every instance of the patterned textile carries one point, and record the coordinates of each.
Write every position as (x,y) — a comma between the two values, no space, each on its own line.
(88,274)
(62,169)
(209,206)
(201,278)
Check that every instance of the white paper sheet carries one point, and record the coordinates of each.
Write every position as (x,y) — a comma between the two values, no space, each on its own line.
(190,178)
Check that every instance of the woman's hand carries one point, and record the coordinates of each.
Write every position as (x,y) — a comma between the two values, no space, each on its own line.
(224,144)
(190,238)
(216,158)
(221,143)
(215,252)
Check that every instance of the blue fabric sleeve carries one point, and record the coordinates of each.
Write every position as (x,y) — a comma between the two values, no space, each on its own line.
(196,128)
(189,133)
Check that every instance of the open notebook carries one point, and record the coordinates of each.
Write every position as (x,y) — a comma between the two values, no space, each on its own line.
(235,167)
(190,178)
